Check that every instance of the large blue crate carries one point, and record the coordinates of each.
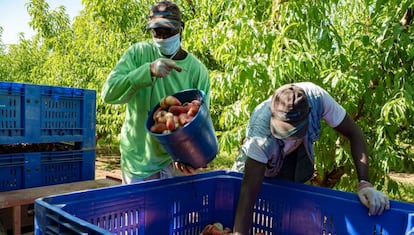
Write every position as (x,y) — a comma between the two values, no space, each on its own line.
(27,170)
(185,205)
(43,114)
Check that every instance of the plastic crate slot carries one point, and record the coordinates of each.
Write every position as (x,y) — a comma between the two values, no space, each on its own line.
(119,222)
(8,161)
(53,226)
(327,223)
(268,215)
(60,172)
(61,116)
(10,172)
(377,230)
(188,221)
(10,116)
(66,228)
(7,184)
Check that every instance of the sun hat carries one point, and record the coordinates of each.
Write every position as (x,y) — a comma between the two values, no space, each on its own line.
(164,14)
(290,111)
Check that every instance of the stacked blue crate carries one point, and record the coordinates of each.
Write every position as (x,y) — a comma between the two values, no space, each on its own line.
(38,114)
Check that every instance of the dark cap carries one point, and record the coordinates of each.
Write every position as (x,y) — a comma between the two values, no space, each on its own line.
(290,112)
(164,14)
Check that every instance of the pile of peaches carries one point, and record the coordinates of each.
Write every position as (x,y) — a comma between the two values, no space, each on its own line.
(172,114)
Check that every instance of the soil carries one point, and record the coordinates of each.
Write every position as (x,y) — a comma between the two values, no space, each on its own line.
(109,166)
(406,178)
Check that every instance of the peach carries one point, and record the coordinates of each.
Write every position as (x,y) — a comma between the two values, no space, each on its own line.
(193,110)
(184,118)
(178,109)
(159,128)
(170,121)
(160,117)
(169,100)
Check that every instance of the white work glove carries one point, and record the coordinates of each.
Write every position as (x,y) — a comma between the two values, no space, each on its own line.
(161,67)
(373,199)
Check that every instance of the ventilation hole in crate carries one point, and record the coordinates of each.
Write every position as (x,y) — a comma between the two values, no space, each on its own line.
(378,230)
(205,200)
(10,121)
(61,168)
(11,168)
(8,184)
(327,223)
(267,216)
(188,222)
(124,222)
(61,116)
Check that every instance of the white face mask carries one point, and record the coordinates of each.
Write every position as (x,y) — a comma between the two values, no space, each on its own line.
(168,46)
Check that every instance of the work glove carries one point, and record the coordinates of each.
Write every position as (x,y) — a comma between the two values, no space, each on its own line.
(373,199)
(161,67)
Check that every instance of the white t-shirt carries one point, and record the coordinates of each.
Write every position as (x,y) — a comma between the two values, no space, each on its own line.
(260,144)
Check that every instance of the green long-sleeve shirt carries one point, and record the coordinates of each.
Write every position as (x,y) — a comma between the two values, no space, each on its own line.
(130,83)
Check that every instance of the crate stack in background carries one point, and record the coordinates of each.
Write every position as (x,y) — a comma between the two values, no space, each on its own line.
(47,135)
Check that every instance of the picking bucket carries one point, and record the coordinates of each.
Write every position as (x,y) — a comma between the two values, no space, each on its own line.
(195,143)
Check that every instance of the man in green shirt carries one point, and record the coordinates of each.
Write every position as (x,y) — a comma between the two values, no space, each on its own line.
(147,72)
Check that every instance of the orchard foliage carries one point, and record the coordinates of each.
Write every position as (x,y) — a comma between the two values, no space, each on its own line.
(358,50)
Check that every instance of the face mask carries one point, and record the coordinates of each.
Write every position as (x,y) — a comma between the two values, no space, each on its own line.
(168,46)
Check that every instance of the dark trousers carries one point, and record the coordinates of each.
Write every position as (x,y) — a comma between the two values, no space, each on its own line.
(296,166)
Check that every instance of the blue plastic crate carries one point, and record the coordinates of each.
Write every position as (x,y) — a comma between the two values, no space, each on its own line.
(27,170)
(185,205)
(42,114)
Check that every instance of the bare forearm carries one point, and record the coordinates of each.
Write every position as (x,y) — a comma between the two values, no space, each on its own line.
(252,182)
(359,151)
(244,213)
(360,157)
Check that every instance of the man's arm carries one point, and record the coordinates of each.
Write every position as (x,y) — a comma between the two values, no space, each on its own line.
(252,182)
(359,151)
(374,200)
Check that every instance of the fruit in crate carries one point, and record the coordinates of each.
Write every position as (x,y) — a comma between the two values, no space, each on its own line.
(216,228)
(172,114)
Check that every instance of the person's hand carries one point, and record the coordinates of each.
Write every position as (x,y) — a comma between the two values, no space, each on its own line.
(162,67)
(184,168)
(373,199)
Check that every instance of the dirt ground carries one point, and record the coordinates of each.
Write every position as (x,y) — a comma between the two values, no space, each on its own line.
(108,166)
(405,178)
